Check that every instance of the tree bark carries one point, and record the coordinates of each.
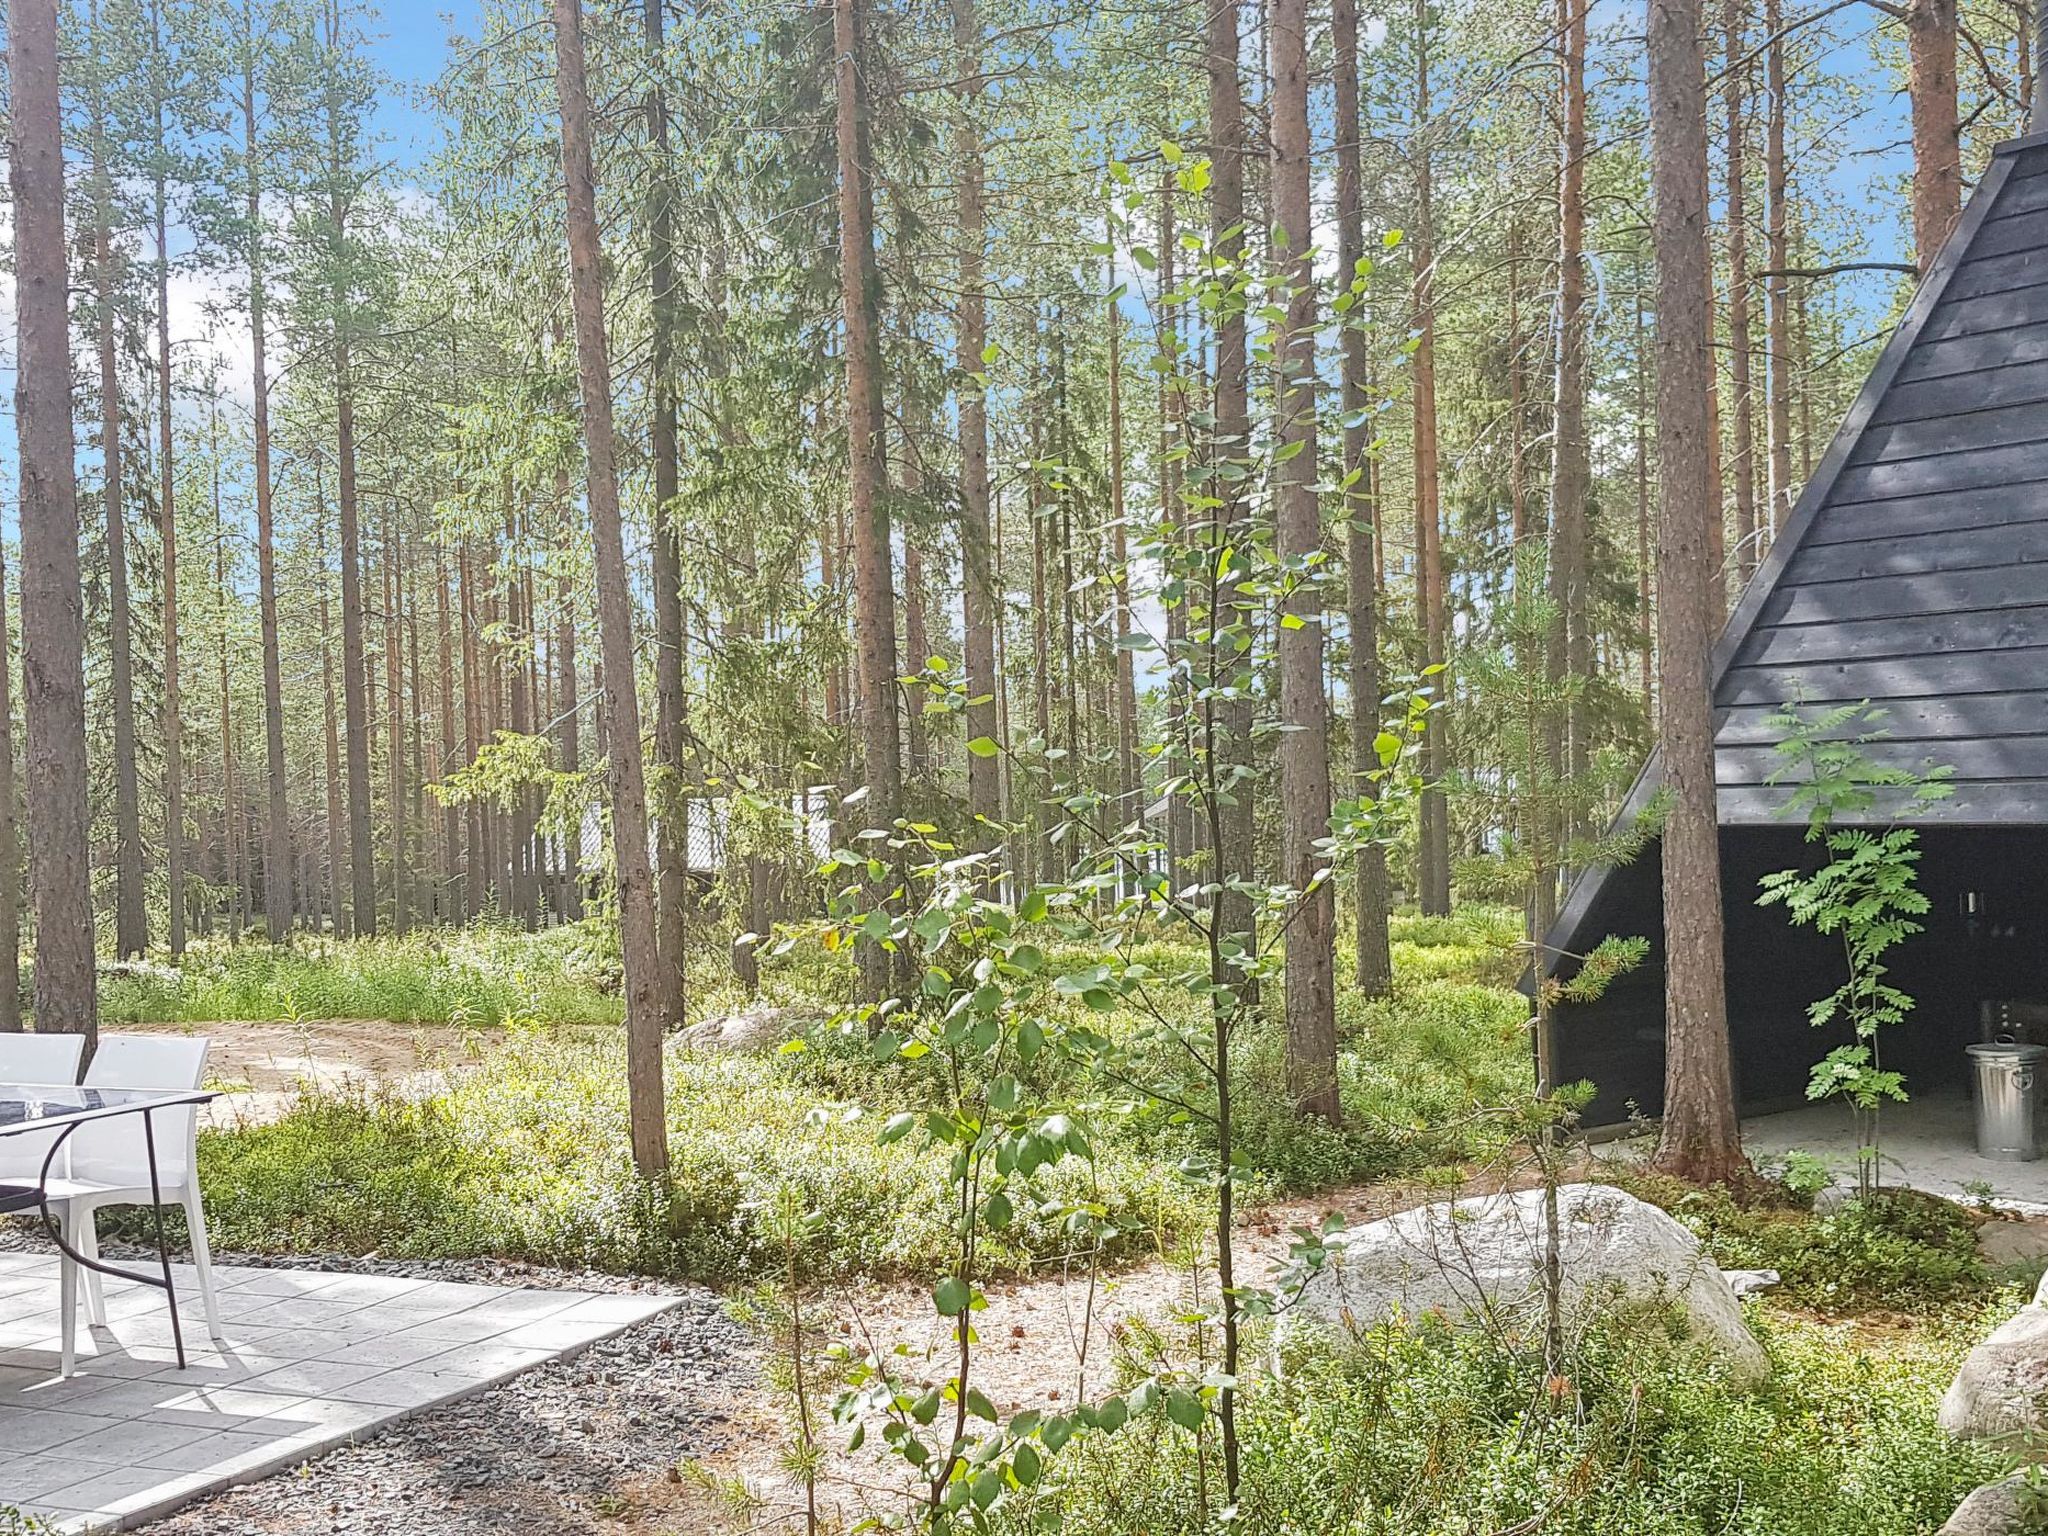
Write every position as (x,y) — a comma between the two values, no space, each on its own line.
(873,581)
(131,910)
(1570,490)
(1230,445)
(52,600)
(337,829)
(646,1105)
(977,594)
(1937,135)
(1374,962)
(1304,711)
(447,904)
(1742,444)
(394,715)
(1129,781)
(1433,850)
(1701,1139)
(277,874)
(10,834)
(670,826)
(1777,298)
(167,514)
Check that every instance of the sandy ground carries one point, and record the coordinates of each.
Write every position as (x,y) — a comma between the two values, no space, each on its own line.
(263,1067)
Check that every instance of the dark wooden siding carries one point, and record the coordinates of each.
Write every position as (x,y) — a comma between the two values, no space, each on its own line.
(1921,581)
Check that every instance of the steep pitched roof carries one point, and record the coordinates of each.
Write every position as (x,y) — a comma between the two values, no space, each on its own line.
(1914,570)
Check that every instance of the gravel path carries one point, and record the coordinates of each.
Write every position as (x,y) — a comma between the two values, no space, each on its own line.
(571,1448)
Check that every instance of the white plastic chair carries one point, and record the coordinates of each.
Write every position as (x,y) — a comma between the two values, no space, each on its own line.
(110,1164)
(35,1061)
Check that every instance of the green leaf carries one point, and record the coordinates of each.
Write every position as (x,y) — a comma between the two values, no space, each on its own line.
(983,746)
(952,1295)
(1025,1463)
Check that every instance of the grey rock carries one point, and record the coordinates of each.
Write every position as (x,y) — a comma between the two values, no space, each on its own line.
(757,1027)
(1996,1509)
(1999,1391)
(1750,1282)
(1481,1261)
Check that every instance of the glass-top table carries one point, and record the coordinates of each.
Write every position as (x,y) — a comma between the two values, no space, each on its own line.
(58,1110)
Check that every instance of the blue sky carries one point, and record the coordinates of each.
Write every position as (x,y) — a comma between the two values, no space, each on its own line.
(411,49)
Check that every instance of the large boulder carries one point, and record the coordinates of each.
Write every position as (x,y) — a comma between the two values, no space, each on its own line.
(1996,1509)
(2002,1388)
(1483,1259)
(756,1027)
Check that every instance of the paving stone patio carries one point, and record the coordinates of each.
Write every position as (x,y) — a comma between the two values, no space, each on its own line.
(310,1361)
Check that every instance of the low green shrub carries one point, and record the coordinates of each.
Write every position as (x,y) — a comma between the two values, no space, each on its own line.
(1473,944)
(485,974)
(1899,1248)
(1429,1432)
(1414,1070)
(527,1156)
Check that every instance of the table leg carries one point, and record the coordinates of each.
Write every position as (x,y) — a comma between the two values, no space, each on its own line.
(163,1249)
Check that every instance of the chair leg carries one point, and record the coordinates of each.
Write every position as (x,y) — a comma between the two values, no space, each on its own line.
(67,1308)
(87,1242)
(202,1256)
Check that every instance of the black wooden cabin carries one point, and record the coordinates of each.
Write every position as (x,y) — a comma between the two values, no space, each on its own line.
(1914,573)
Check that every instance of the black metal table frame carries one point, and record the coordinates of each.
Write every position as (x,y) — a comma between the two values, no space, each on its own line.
(15,1198)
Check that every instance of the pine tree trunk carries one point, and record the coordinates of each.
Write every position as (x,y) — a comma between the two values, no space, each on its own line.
(1236,859)
(1433,847)
(476,874)
(1701,1140)
(977,586)
(167,513)
(874,594)
(1374,970)
(1180,813)
(131,911)
(1742,457)
(1129,782)
(646,1104)
(277,873)
(394,714)
(10,834)
(448,903)
(1776,255)
(671,826)
(52,599)
(1570,491)
(1304,711)
(570,712)
(230,803)
(337,830)
(1937,135)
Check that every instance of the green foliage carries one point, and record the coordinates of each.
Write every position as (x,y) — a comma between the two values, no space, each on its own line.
(527,1156)
(480,975)
(1427,1432)
(1867,895)
(1894,1248)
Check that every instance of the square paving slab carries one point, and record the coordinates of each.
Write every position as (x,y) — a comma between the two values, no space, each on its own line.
(308,1362)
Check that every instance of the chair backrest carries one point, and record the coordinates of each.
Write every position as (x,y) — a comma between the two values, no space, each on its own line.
(40,1059)
(116,1152)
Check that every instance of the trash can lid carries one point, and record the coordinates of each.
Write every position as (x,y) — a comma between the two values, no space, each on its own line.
(2009,1051)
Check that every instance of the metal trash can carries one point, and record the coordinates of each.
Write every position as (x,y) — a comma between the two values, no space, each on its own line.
(2006,1084)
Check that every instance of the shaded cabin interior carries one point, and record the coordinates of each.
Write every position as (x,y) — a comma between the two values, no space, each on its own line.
(1912,573)
(1986,942)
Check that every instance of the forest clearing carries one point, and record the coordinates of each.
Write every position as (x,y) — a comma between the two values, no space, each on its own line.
(1258,766)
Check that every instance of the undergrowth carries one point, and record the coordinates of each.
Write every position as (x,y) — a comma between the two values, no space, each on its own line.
(527,1155)
(485,974)
(1429,1432)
